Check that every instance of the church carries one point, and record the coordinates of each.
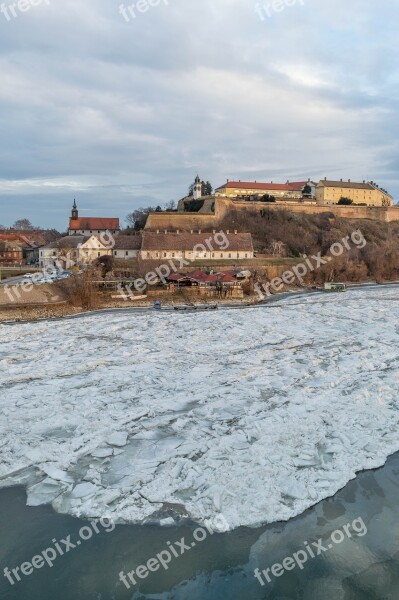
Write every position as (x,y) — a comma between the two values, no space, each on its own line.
(88,226)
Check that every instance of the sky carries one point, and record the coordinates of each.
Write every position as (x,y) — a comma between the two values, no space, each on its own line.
(121,108)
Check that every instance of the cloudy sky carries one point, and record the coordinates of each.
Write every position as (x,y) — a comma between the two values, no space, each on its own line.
(122,111)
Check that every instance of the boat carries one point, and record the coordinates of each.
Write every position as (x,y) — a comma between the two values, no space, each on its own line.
(334,287)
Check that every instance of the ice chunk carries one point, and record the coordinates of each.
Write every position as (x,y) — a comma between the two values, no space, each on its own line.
(82,490)
(44,492)
(118,439)
(102,452)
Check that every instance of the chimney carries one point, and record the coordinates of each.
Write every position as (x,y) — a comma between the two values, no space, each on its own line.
(166,231)
(235,231)
(227,232)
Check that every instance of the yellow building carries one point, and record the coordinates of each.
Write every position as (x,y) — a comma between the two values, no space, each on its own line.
(369,193)
(281,191)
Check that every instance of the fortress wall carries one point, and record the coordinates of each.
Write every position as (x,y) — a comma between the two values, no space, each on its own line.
(182,221)
(208,221)
(378,213)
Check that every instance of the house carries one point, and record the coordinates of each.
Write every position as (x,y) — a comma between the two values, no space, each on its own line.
(72,251)
(91,225)
(13,248)
(196,246)
(366,193)
(127,246)
(281,191)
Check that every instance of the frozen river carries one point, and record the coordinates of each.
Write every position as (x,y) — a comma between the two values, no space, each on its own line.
(255,414)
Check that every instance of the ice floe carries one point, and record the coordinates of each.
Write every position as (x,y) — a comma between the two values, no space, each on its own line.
(256,414)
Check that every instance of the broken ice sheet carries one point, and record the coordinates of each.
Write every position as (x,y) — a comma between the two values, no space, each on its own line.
(275,419)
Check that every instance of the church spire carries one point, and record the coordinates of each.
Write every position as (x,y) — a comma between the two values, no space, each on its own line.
(75,213)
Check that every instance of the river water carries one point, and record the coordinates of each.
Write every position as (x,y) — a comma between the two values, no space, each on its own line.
(222,566)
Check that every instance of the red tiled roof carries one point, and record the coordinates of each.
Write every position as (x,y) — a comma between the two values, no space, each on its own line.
(295,186)
(93,223)
(177,277)
(13,237)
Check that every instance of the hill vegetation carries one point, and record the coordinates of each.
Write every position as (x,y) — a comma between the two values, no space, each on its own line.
(281,233)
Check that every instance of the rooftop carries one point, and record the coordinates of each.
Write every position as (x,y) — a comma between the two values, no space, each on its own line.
(294,186)
(93,223)
(188,241)
(128,242)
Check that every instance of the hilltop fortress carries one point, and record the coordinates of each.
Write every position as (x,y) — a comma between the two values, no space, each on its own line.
(364,200)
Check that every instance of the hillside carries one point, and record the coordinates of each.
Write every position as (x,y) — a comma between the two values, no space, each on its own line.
(281,233)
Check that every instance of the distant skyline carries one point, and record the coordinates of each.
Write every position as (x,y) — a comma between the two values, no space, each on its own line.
(122,114)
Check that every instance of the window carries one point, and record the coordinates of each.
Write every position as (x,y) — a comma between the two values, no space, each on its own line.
(127,253)
(230,255)
(164,254)
(99,253)
(148,255)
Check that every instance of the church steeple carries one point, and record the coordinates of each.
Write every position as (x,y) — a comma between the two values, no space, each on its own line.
(75,213)
(197,188)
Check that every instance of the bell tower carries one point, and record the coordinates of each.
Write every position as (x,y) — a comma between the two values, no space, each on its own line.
(75,213)
(197,188)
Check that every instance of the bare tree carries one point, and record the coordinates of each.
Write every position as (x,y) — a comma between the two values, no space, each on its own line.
(23,224)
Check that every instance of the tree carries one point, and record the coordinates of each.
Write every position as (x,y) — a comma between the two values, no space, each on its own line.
(277,248)
(23,224)
(207,189)
(307,191)
(106,263)
(170,206)
(138,218)
(345,201)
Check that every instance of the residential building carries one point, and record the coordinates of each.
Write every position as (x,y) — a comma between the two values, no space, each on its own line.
(13,248)
(88,226)
(72,251)
(365,193)
(196,246)
(127,246)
